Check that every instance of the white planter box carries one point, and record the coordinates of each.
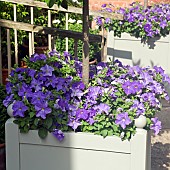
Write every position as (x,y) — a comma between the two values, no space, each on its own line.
(131,51)
(78,151)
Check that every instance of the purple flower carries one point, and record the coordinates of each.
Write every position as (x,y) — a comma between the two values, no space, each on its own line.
(102,107)
(128,88)
(8,100)
(37,97)
(9,87)
(42,109)
(25,91)
(99,21)
(109,10)
(103,6)
(36,84)
(163,24)
(82,114)
(148,27)
(35,57)
(156,126)
(74,123)
(47,70)
(54,52)
(58,134)
(51,81)
(61,104)
(137,86)
(123,120)
(19,109)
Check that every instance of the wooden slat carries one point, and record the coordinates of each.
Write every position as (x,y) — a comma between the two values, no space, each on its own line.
(49,25)
(47,30)
(9,50)
(66,29)
(15,36)
(0,57)
(69,10)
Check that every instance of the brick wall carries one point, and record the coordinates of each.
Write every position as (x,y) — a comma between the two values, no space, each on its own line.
(96,4)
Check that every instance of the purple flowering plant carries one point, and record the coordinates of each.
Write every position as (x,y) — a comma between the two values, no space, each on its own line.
(49,96)
(154,21)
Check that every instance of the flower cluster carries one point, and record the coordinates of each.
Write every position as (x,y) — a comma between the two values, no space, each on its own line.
(50,96)
(154,21)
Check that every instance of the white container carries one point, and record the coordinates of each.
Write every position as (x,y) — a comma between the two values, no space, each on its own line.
(132,51)
(78,151)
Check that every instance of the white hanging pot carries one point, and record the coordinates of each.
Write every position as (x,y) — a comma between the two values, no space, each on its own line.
(140,122)
(10,110)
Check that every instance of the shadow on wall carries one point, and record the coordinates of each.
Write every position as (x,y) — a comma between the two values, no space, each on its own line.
(151,42)
(127,55)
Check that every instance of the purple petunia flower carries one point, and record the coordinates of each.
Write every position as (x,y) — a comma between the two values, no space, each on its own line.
(19,109)
(42,109)
(103,5)
(156,126)
(58,134)
(8,100)
(102,107)
(123,120)
(47,70)
(128,88)
(82,114)
(73,123)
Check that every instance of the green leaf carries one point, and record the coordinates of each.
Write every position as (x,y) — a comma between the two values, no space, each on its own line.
(48,122)
(42,133)
(32,114)
(50,3)
(104,133)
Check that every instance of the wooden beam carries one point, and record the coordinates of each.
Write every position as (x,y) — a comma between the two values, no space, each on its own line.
(69,10)
(47,30)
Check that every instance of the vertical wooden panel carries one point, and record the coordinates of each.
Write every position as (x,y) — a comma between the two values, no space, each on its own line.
(15,36)
(0,57)
(66,29)
(49,25)
(103,56)
(9,50)
(31,35)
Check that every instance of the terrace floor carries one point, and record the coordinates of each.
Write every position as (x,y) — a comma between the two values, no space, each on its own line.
(161,143)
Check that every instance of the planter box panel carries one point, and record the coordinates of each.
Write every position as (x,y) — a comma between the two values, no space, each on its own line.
(79,140)
(131,51)
(78,151)
(38,157)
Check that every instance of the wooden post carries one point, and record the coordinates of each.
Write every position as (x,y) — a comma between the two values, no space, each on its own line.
(145,4)
(0,57)
(85,41)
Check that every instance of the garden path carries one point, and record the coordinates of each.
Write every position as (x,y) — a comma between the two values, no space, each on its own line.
(160,150)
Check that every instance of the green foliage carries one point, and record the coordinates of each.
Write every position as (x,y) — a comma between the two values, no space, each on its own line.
(3,114)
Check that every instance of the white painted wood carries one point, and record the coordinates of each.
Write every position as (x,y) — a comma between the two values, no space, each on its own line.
(131,51)
(0,57)
(9,50)
(140,150)
(15,36)
(49,25)
(38,157)
(66,15)
(78,151)
(12,146)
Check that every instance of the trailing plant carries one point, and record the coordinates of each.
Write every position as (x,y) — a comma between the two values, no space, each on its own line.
(154,21)
(49,96)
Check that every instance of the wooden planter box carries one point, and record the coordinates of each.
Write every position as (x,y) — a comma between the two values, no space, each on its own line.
(78,151)
(132,51)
